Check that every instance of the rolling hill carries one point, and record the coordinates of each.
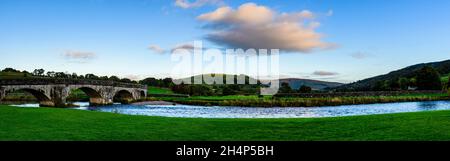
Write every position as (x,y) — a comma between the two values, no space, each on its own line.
(296,83)
(443,67)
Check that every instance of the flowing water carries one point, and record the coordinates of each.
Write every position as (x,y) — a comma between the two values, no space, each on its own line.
(260,112)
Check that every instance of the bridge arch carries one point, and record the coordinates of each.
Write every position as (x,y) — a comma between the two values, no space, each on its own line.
(94,94)
(123,96)
(41,96)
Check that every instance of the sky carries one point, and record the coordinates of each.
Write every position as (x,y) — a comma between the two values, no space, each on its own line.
(342,40)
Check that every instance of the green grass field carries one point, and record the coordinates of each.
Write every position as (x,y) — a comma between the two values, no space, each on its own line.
(159,90)
(66,124)
(14,75)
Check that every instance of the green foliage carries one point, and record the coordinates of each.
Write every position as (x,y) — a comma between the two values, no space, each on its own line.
(10,73)
(305,89)
(226,91)
(403,83)
(166,82)
(285,88)
(408,72)
(428,79)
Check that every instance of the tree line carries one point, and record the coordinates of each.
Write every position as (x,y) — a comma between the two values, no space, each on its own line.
(427,78)
(63,75)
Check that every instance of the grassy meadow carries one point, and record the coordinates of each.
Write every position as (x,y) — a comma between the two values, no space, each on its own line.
(68,124)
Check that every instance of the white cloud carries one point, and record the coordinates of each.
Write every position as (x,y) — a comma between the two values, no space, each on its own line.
(259,27)
(156,49)
(197,3)
(324,73)
(78,56)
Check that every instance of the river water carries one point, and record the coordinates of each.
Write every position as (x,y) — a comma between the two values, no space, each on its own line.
(260,112)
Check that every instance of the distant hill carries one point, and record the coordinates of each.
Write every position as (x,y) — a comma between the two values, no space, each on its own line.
(296,83)
(199,77)
(443,67)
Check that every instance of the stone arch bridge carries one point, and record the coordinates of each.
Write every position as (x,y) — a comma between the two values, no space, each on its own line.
(54,92)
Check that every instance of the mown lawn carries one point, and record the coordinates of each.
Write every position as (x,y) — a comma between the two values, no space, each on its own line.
(65,124)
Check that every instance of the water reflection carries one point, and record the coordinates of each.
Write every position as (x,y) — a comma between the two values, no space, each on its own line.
(429,105)
(259,112)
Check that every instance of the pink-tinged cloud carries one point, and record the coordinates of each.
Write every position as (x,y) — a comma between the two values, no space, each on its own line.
(259,27)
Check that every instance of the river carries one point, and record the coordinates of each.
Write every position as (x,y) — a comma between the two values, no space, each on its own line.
(260,112)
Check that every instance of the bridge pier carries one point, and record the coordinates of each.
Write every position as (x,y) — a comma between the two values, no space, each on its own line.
(99,101)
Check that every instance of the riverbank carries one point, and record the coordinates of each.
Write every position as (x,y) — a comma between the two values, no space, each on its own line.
(65,124)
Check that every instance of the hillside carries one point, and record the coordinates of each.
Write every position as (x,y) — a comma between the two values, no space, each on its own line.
(296,83)
(443,67)
(199,77)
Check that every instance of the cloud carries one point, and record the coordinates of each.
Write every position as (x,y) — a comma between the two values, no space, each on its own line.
(156,49)
(79,56)
(259,27)
(186,46)
(324,73)
(198,3)
(190,46)
(360,55)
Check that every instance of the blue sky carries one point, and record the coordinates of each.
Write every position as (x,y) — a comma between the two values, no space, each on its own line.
(112,37)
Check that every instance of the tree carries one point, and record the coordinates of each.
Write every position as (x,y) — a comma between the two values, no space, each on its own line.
(404,83)
(61,75)
(50,74)
(10,70)
(448,83)
(90,76)
(305,89)
(226,91)
(381,86)
(394,84)
(167,82)
(103,78)
(38,72)
(74,75)
(125,80)
(114,78)
(428,78)
(285,88)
